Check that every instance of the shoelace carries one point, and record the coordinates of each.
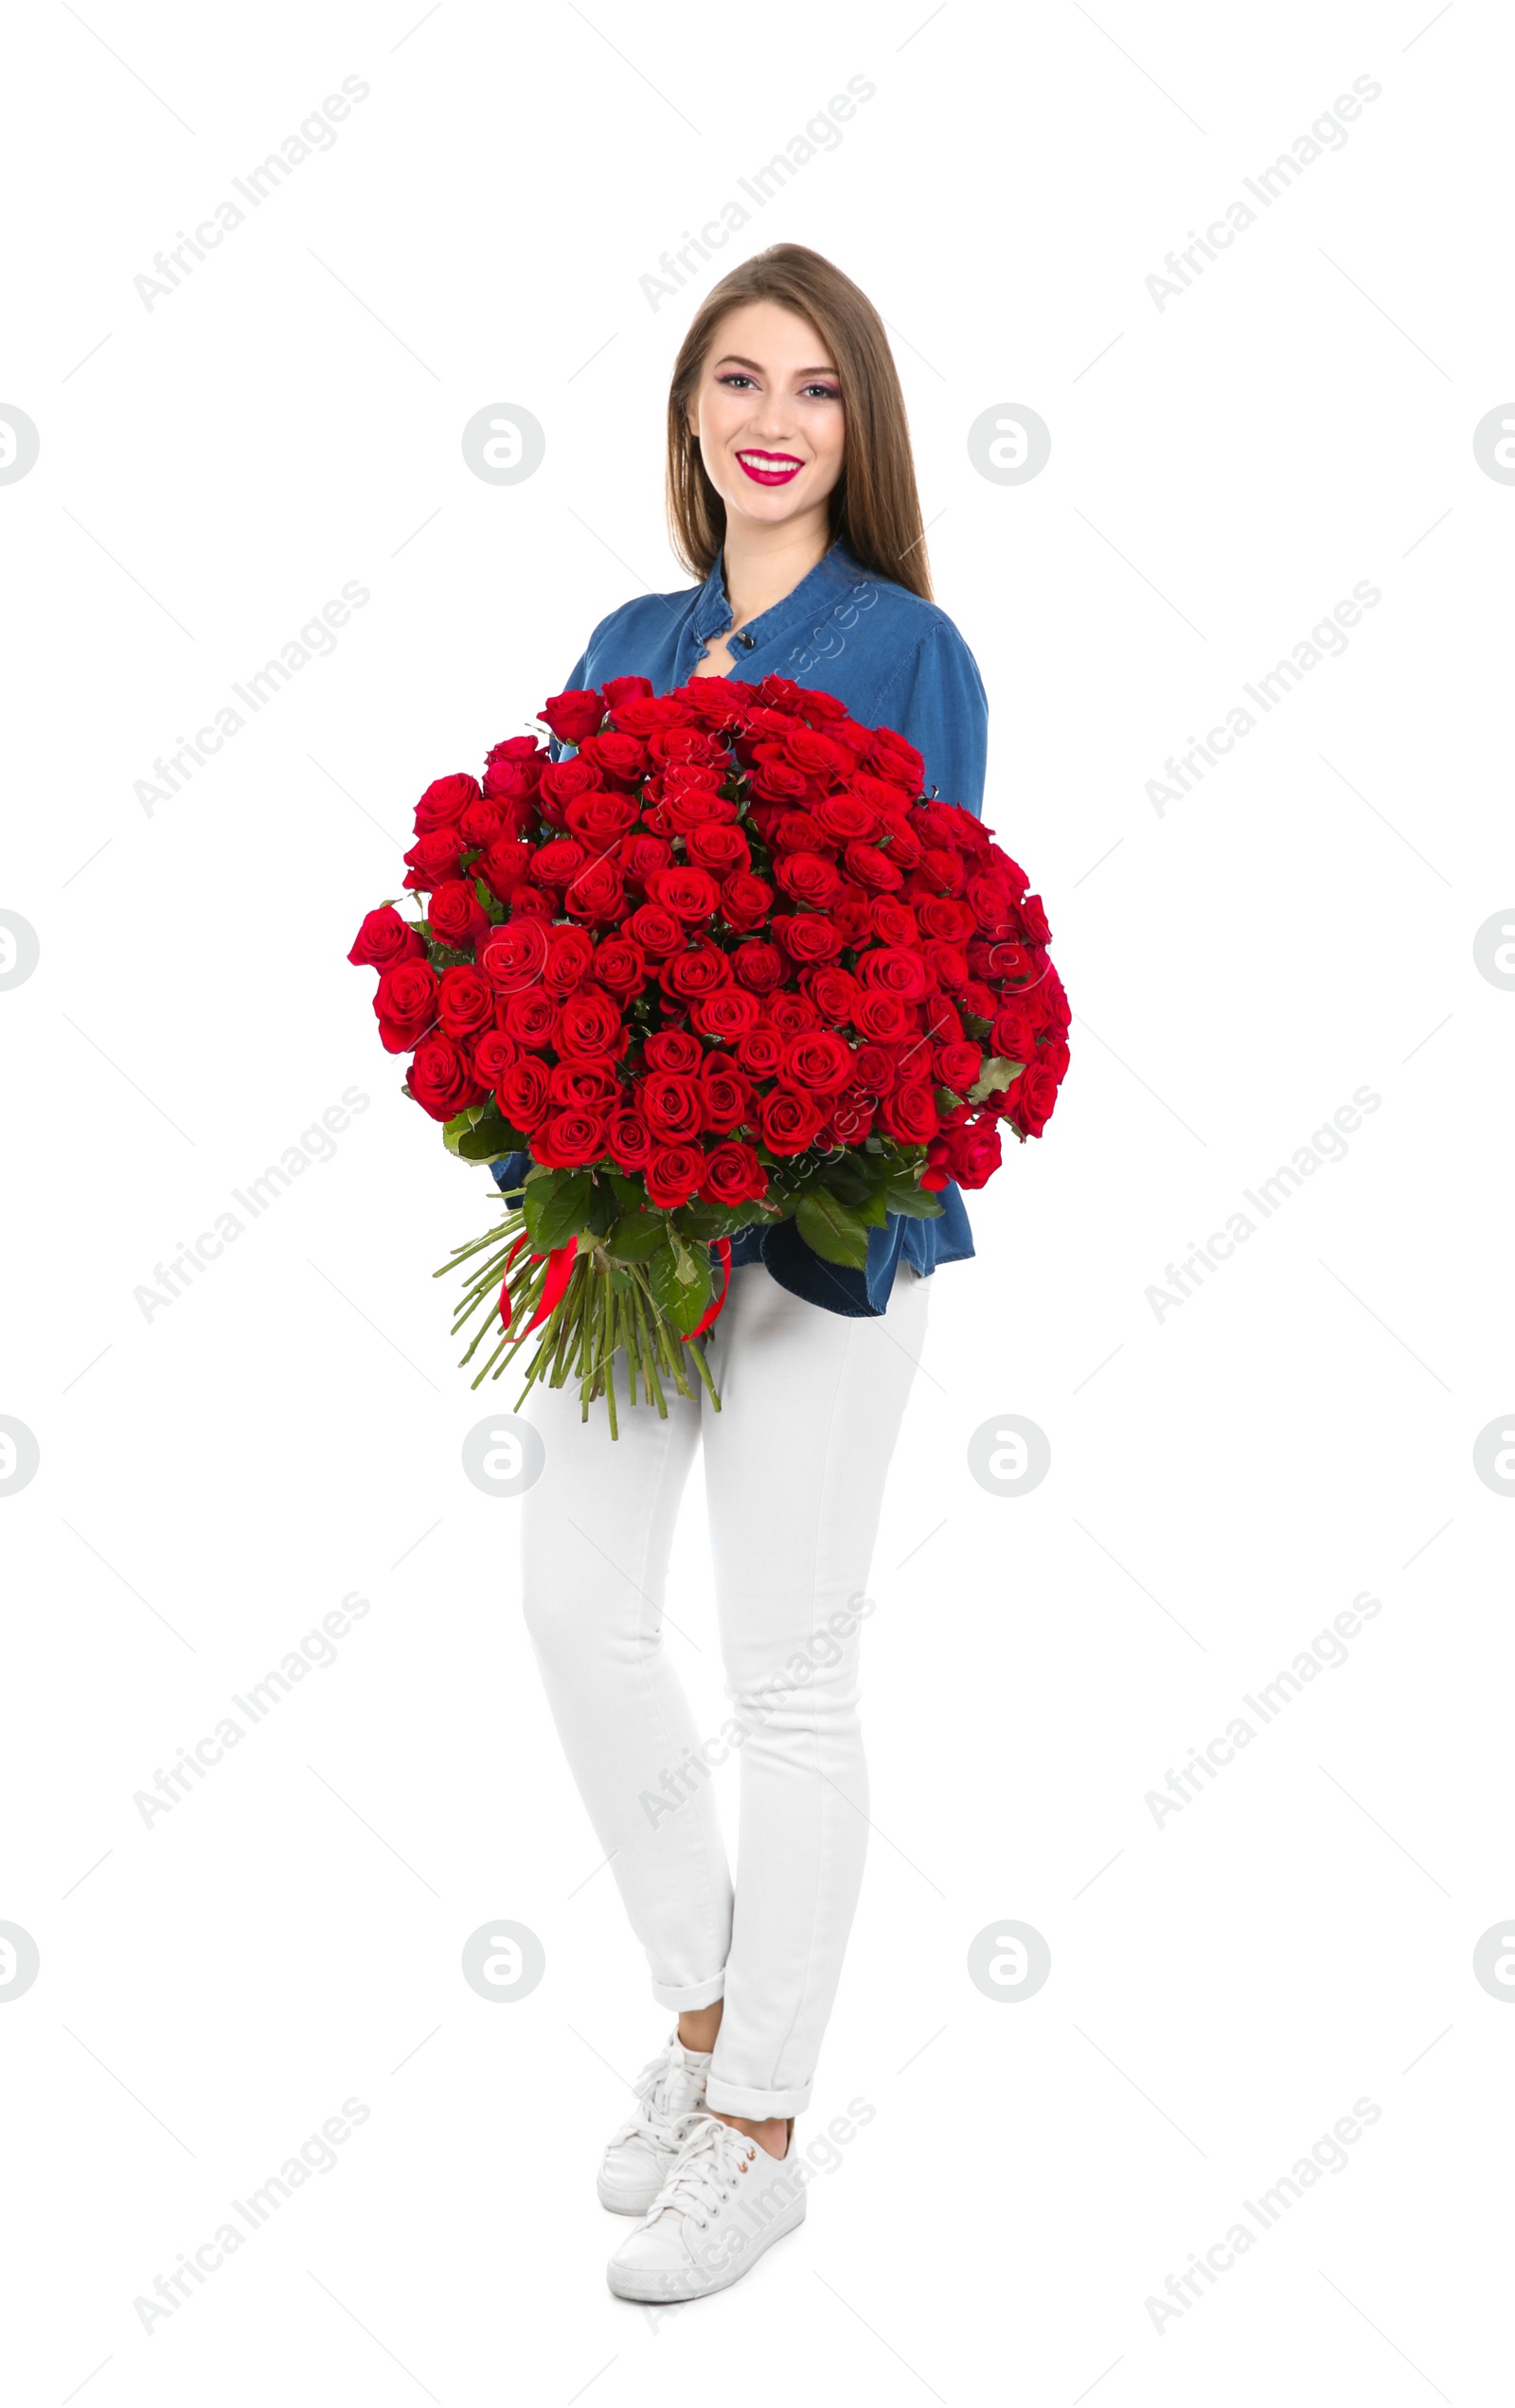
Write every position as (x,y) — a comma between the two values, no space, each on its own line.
(652,2118)
(712,2159)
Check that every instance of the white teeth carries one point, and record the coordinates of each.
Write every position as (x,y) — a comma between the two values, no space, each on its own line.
(766,460)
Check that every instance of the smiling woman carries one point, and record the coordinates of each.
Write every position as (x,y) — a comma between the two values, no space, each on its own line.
(791,501)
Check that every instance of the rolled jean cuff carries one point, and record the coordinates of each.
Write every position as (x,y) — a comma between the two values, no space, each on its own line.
(693,1994)
(736,2098)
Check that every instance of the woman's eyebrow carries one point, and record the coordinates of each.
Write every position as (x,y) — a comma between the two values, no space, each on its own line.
(734,359)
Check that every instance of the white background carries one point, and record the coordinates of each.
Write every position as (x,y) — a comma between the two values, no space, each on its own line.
(1224,1480)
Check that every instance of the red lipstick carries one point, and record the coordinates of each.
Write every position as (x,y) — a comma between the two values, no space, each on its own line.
(770,468)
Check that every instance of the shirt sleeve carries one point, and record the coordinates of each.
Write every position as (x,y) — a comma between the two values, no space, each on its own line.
(936,702)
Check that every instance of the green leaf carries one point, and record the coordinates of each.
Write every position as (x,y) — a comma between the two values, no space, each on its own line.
(874,1210)
(556,1207)
(832,1229)
(490,1141)
(636,1236)
(995,1073)
(682,1281)
(977,1025)
(629,1193)
(915,1204)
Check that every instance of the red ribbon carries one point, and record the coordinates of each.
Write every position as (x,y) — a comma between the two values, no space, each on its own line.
(560,1266)
(723,1255)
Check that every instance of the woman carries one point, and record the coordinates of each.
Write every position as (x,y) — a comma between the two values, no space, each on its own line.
(791,494)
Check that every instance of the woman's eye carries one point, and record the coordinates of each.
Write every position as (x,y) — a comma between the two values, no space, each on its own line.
(824,392)
(734,379)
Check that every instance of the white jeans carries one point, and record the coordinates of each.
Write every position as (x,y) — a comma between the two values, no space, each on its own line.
(795,1468)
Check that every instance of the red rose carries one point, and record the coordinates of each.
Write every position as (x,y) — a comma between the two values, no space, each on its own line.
(733,1175)
(655,930)
(629,1139)
(873,1069)
(531,1015)
(1034,921)
(718,848)
(745,901)
(1011,1035)
(503,864)
(808,877)
(620,757)
(690,895)
(910,1113)
(589,1025)
(570,1140)
(1035,1095)
(639,855)
(880,1016)
(494,1053)
(514,956)
(704,971)
(464,1002)
(521,1093)
(726,1099)
(851,1117)
(894,922)
(620,966)
(761,1051)
(788,1121)
(958,1065)
(600,818)
(790,831)
(441,1078)
(871,866)
(404,1002)
(726,1014)
(385,941)
(554,864)
(562,781)
(894,970)
(845,818)
(455,916)
(433,858)
(570,951)
(760,966)
(808,937)
(939,1018)
(445,801)
(777,780)
(790,1013)
(530,902)
(853,919)
(619,691)
(890,757)
(947,964)
(674,1049)
(820,757)
(590,1084)
(573,715)
(670,1103)
(833,991)
(817,1062)
(672,1174)
(595,892)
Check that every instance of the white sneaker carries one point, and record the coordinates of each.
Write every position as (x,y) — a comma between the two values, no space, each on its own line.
(722,2204)
(669,2094)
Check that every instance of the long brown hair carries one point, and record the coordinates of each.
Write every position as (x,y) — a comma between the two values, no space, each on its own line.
(875,510)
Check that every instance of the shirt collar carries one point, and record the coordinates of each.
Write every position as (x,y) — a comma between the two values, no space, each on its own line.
(712,610)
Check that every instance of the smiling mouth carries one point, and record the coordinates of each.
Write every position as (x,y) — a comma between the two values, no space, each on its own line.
(770,468)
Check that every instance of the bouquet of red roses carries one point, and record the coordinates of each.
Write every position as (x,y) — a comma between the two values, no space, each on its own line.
(722,965)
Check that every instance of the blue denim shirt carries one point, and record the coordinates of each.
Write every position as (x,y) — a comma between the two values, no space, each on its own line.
(895,661)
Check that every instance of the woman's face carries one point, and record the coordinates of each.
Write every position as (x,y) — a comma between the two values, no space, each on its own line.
(768,413)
